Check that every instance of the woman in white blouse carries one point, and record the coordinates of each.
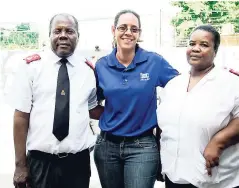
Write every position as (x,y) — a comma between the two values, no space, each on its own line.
(198,115)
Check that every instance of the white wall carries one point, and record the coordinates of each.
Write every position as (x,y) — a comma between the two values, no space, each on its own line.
(1,78)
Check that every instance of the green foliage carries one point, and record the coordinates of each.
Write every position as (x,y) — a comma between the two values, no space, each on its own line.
(23,27)
(196,13)
(19,38)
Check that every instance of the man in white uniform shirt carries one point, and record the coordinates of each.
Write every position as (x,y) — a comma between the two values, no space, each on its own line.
(55,93)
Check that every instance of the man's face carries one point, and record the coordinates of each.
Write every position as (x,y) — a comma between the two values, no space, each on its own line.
(63,36)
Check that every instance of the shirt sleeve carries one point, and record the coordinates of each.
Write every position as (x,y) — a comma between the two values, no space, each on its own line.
(100,94)
(235,111)
(21,91)
(92,101)
(166,72)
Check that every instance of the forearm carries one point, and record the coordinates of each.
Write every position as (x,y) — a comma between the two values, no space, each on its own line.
(20,130)
(96,112)
(228,136)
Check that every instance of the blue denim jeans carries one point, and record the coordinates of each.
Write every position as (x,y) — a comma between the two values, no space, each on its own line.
(127,164)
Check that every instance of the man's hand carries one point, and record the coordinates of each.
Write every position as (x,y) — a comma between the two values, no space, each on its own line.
(21,177)
(212,154)
(96,112)
(20,130)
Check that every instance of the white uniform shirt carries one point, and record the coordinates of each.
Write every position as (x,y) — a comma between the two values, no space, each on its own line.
(35,92)
(189,120)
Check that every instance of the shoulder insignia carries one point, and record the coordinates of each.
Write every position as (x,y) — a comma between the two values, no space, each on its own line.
(31,58)
(234,72)
(89,64)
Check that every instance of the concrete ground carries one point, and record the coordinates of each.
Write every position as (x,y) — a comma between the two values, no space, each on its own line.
(7,152)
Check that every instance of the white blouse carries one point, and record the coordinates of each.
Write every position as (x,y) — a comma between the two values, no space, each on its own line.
(189,120)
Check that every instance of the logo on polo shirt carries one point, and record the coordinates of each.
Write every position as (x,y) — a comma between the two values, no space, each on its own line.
(144,76)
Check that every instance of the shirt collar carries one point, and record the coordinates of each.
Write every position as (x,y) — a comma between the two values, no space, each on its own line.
(73,60)
(212,73)
(141,56)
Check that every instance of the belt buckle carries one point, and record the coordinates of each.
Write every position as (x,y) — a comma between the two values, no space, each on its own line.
(62,155)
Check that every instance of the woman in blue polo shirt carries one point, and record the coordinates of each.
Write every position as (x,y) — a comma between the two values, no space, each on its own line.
(126,153)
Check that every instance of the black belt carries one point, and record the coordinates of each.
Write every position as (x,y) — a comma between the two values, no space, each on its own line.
(117,139)
(48,156)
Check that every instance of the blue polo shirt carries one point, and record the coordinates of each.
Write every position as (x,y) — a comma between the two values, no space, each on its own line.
(130,93)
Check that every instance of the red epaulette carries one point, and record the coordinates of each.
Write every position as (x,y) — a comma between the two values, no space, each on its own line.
(234,72)
(31,58)
(89,64)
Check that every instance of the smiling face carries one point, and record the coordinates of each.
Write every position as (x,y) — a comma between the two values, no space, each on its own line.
(127,31)
(200,52)
(63,35)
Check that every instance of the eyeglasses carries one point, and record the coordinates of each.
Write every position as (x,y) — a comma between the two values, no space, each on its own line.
(124,28)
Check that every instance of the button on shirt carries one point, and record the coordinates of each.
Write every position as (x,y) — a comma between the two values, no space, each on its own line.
(130,93)
(189,120)
(35,92)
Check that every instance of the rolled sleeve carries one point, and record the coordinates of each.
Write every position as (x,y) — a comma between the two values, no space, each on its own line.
(92,101)
(21,92)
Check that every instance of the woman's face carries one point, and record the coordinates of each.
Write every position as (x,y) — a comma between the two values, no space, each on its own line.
(127,31)
(200,51)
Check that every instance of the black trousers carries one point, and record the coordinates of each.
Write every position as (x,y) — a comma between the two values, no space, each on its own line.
(63,171)
(169,184)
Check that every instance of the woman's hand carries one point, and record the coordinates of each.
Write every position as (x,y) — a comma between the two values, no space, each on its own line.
(212,154)
(221,140)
